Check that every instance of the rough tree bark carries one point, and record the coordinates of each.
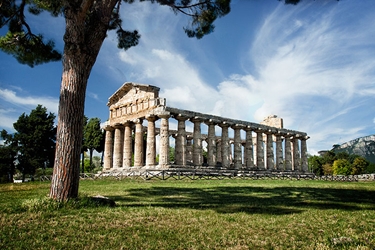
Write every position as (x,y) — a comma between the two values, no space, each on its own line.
(84,35)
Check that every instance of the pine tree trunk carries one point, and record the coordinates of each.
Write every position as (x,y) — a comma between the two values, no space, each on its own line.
(65,177)
(83,38)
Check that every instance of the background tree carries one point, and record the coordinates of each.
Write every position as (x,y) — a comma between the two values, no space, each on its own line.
(35,139)
(33,144)
(315,164)
(8,156)
(359,165)
(341,167)
(87,23)
(93,136)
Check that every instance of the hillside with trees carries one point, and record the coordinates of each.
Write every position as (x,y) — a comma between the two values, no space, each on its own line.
(363,146)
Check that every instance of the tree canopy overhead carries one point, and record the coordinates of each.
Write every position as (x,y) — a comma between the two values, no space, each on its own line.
(32,49)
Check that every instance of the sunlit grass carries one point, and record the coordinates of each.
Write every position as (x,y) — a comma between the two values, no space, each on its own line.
(201,214)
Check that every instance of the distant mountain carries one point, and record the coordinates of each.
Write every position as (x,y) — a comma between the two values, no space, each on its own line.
(363,146)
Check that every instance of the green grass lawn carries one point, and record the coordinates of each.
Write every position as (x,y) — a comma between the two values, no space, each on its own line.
(200,214)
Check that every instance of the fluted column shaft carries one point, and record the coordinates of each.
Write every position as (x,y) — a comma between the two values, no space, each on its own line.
(118,146)
(211,144)
(128,139)
(225,146)
(279,153)
(189,149)
(197,142)
(138,144)
(180,152)
(288,154)
(304,155)
(296,155)
(164,140)
(260,150)
(108,148)
(237,147)
(270,154)
(219,157)
(151,144)
(249,155)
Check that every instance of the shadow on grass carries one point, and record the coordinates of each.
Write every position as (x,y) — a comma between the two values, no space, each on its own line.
(279,201)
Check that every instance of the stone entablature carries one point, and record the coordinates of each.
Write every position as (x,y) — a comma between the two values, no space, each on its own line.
(267,146)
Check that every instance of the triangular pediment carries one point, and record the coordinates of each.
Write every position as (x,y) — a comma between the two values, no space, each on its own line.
(131,92)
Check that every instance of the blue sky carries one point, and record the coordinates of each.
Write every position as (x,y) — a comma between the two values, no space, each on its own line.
(312,64)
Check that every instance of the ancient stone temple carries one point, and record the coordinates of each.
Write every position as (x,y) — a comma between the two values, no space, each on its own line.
(133,139)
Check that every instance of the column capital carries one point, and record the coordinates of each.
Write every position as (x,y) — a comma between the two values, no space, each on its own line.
(118,125)
(164,115)
(238,126)
(270,132)
(304,137)
(287,135)
(211,122)
(196,119)
(224,124)
(180,117)
(128,123)
(249,128)
(151,117)
(259,130)
(138,121)
(108,127)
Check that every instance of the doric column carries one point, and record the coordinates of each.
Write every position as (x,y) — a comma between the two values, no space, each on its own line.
(180,152)
(288,154)
(296,155)
(189,149)
(237,146)
(108,148)
(279,153)
(270,155)
(138,144)
(128,141)
(164,140)
(197,142)
(151,145)
(260,150)
(219,157)
(225,146)
(118,146)
(249,155)
(211,143)
(304,154)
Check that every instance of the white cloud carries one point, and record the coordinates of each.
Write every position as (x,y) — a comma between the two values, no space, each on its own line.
(8,117)
(127,58)
(310,68)
(316,70)
(16,105)
(31,101)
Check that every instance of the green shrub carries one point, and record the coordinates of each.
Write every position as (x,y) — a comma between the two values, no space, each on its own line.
(342,167)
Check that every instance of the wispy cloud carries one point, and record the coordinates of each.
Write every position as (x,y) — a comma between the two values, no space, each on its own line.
(310,66)
(29,101)
(317,70)
(17,104)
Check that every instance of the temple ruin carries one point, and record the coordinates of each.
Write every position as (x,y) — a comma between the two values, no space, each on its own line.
(130,143)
